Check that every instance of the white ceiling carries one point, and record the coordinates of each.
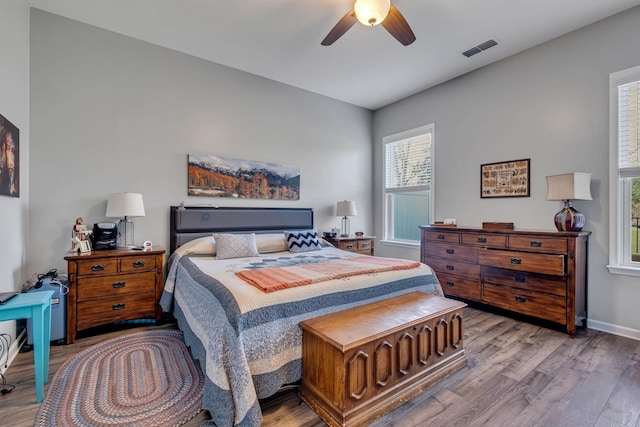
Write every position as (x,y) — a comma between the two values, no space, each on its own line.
(280,39)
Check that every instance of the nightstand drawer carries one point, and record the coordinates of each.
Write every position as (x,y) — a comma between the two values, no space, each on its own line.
(103,287)
(140,263)
(448,266)
(536,304)
(523,261)
(451,251)
(97,267)
(364,245)
(441,236)
(541,244)
(556,285)
(348,246)
(459,287)
(482,239)
(100,311)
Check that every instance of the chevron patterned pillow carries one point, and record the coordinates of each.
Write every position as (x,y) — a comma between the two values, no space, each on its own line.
(302,241)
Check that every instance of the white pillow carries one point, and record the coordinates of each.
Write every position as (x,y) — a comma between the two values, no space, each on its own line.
(236,245)
(201,246)
(273,242)
(303,241)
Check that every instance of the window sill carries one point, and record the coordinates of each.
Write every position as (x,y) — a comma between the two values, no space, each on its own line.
(624,269)
(414,245)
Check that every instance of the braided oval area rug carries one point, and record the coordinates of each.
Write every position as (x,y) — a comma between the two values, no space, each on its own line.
(145,379)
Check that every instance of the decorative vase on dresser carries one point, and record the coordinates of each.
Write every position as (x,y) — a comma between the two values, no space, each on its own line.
(542,274)
(107,286)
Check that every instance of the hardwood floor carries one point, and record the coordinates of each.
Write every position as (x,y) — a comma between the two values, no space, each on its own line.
(518,375)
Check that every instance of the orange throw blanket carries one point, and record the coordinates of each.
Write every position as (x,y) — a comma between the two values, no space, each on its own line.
(274,279)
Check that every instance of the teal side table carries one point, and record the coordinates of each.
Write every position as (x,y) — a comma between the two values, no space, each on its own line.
(37,307)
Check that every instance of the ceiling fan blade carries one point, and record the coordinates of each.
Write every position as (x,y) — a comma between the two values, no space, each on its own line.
(398,27)
(341,27)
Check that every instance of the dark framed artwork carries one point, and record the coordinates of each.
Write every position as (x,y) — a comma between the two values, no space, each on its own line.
(213,176)
(505,179)
(9,158)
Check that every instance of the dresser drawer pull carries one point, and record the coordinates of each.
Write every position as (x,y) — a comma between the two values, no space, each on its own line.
(97,267)
(521,299)
(450,251)
(516,261)
(520,279)
(482,240)
(535,244)
(138,264)
(450,267)
(117,285)
(350,246)
(448,283)
(440,236)
(364,245)
(117,306)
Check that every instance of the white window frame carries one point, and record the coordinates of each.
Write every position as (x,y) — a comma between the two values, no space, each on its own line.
(619,188)
(387,214)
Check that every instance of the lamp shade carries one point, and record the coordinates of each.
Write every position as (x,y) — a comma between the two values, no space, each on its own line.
(371,12)
(569,186)
(124,204)
(346,208)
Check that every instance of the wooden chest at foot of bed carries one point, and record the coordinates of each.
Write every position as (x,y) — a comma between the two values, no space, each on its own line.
(361,363)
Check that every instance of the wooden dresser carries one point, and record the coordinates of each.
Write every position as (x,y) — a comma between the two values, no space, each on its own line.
(112,285)
(542,274)
(360,244)
(362,362)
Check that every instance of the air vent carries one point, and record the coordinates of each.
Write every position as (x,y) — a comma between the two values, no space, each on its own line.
(481,47)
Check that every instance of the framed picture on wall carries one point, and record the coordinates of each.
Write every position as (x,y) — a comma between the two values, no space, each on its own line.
(505,179)
(9,158)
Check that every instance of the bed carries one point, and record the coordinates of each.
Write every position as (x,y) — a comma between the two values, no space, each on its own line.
(240,314)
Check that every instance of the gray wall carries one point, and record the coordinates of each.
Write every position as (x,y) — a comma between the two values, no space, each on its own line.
(14,105)
(112,114)
(549,104)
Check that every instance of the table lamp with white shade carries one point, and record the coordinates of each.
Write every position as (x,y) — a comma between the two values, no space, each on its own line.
(345,209)
(568,187)
(125,206)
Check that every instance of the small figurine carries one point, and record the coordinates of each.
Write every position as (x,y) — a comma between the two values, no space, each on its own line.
(78,234)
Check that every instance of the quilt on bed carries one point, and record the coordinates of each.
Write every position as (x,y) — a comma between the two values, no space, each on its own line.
(248,342)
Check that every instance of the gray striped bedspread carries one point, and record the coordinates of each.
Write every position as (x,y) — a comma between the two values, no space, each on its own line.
(248,342)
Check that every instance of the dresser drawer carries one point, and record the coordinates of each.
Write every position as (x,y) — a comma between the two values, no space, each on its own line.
(523,261)
(97,267)
(458,268)
(541,244)
(348,246)
(484,239)
(556,285)
(451,251)
(460,287)
(140,263)
(114,308)
(544,306)
(101,287)
(441,236)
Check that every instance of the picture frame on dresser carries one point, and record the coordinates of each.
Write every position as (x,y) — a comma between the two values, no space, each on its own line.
(505,179)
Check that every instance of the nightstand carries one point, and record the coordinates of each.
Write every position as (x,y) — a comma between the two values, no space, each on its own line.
(360,244)
(113,285)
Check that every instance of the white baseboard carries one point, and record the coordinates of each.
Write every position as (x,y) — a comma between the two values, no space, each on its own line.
(16,345)
(614,329)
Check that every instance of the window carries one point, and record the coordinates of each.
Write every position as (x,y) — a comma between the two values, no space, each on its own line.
(408,183)
(624,170)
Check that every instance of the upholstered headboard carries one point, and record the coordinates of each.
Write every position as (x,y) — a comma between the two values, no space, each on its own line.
(191,222)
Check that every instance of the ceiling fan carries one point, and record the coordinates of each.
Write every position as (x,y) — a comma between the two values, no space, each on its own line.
(373,12)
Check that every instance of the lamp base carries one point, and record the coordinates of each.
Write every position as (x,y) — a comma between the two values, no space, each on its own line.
(569,219)
(344,227)
(125,233)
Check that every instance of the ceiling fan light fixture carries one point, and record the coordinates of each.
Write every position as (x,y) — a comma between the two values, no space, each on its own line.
(371,12)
